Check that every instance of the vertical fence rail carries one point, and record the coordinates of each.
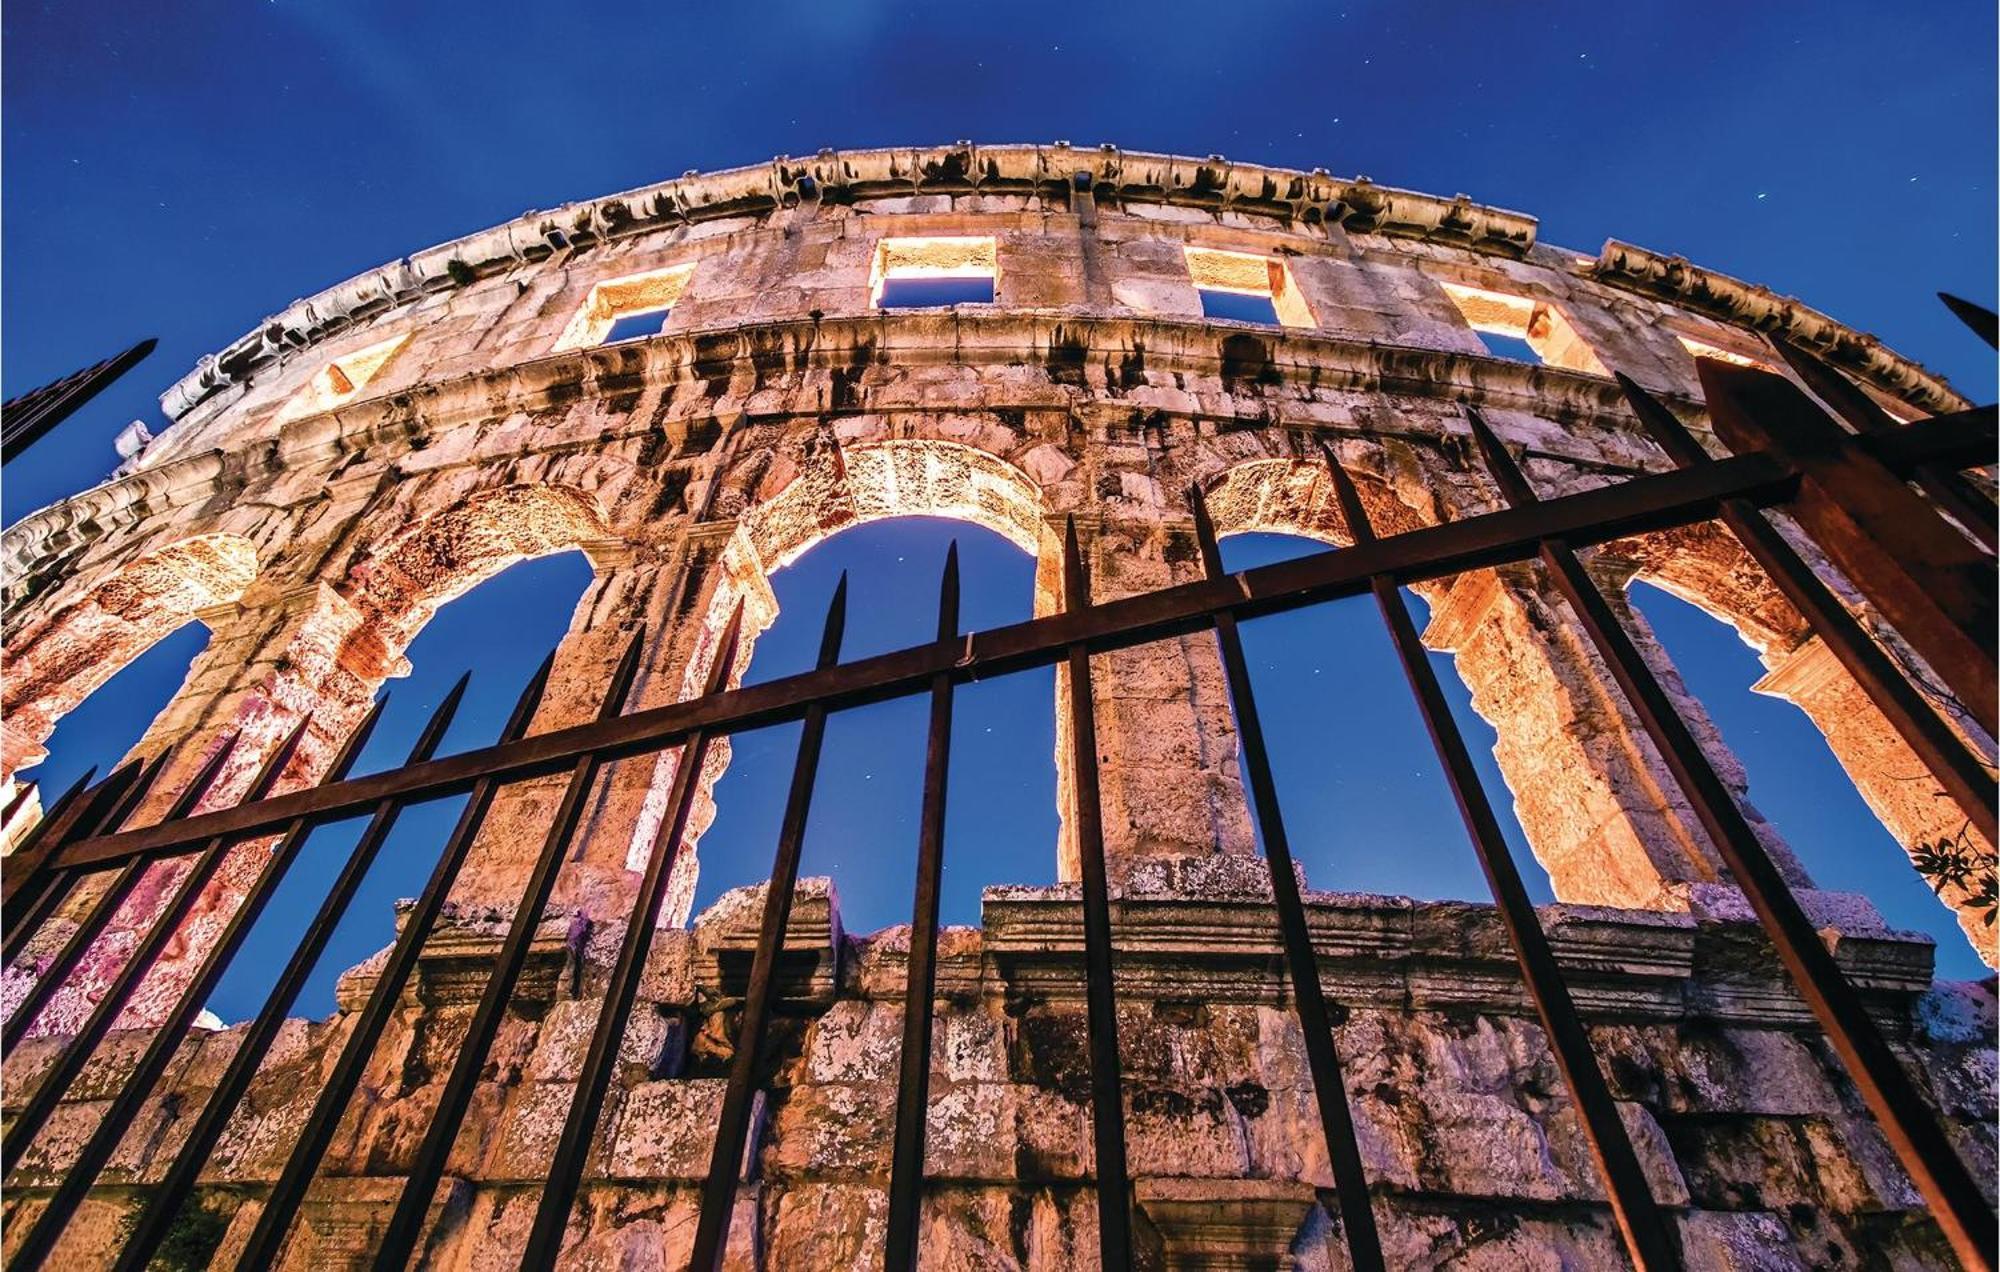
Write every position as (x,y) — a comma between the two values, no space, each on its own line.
(171,1032)
(21,887)
(406,1222)
(718,1193)
(913,1078)
(123,880)
(1107,1107)
(1364,1243)
(1640,1221)
(1912,1130)
(41,889)
(573,1148)
(281,1207)
(48,1094)
(1948,489)
(108,902)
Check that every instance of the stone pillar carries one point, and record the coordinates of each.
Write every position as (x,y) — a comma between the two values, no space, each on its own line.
(1600,810)
(1890,777)
(273,657)
(1167,755)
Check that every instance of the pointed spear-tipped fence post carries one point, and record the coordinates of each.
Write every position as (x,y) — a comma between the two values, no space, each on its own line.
(164,926)
(1961,773)
(1909,1125)
(718,1193)
(168,1036)
(113,897)
(267,1238)
(32,884)
(580,1125)
(19,886)
(407,1220)
(1364,1243)
(1949,490)
(906,1172)
(1107,1108)
(1640,1222)
(1984,323)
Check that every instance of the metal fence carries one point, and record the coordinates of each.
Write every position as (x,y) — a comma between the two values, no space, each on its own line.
(1854,490)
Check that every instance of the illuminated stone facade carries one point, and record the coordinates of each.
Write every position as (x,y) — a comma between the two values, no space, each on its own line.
(375,451)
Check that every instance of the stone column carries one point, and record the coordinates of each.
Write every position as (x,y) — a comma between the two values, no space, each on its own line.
(1600,810)
(1167,755)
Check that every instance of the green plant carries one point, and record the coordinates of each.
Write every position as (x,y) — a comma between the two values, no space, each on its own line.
(1954,861)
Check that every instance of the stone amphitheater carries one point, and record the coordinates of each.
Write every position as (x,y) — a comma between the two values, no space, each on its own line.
(368,454)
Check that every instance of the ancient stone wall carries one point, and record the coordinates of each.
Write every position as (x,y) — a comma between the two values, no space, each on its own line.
(372,452)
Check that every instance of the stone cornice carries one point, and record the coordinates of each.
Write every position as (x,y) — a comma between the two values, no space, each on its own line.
(1731,300)
(1215,183)
(1305,198)
(993,337)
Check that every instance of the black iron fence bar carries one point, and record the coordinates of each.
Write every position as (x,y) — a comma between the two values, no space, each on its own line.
(59,817)
(1982,320)
(1107,1108)
(42,890)
(1364,1243)
(48,889)
(1949,490)
(913,1077)
(164,1203)
(1656,501)
(281,1206)
(108,902)
(1962,773)
(718,1193)
(406,1222)
(1644,1229)
(1911,1128)
(171,1032)
(1915,567)
(622,990)
(77,1050)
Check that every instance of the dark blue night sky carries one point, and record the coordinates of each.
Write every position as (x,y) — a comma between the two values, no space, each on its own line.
(182,171)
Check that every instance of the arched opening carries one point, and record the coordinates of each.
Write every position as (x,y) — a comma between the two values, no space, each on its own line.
(1795,779)
(54,666)
(834,488)
(500,629)
(1367,805)
(1001,810)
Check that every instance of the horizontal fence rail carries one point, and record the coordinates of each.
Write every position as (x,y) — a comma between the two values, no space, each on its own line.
(1849,492)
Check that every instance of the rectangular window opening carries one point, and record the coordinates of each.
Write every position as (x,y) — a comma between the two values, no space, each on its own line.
(630,308)
(924,273)
(1240,287)
(1523,330)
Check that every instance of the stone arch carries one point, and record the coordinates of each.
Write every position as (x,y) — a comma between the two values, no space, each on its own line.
(62,661)
(833,487)
(401,583)
(1296,496)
